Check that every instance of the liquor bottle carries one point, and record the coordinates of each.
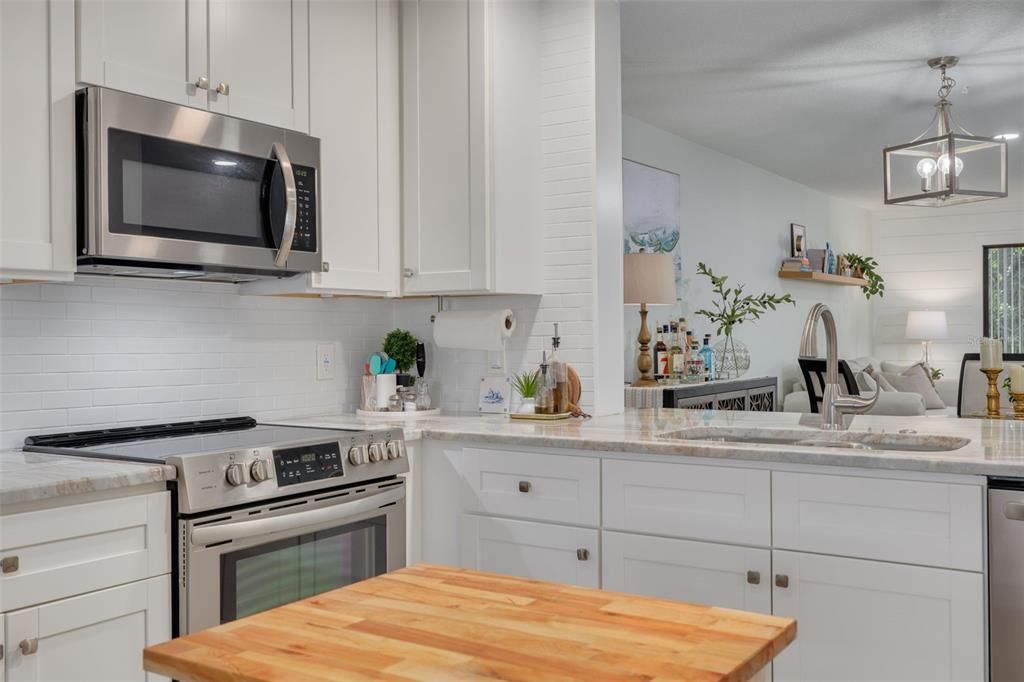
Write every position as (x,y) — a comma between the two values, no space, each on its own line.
(709,359)
(694,366)
(660,355)
(559,373)
(545,403)
(677,359)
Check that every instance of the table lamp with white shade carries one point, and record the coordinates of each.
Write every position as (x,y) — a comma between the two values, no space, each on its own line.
(926,326)
(647,279)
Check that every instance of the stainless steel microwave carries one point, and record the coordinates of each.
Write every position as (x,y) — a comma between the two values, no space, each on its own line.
(175,192)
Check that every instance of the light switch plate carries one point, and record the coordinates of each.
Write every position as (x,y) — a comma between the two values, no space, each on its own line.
(324,361)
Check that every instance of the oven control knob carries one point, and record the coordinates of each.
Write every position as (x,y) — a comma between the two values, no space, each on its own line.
(377,452)
(396,449)
(237,474)
(259,470)
(357,455)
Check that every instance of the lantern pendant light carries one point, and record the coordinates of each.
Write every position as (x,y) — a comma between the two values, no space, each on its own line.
(945,165)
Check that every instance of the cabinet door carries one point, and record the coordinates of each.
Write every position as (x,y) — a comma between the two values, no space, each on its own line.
(143,47)
(97,636)
(698,572)
(530,550)
(37,140)
(446,224)
(259,51)
(870,620)
(354,112)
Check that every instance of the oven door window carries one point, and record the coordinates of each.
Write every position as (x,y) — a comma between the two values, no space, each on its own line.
(259,578)
(174,190)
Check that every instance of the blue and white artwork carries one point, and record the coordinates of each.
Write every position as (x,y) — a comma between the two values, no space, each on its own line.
(650,212)
(495,392)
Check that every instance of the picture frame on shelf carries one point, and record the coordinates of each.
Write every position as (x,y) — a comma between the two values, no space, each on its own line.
(797,240)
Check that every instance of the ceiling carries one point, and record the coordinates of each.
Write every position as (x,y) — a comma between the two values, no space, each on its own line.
(814,90)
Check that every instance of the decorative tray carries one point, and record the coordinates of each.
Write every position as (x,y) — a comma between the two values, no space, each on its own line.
(541,417)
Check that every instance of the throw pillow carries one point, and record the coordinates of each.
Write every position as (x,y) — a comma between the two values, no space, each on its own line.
(883,383)
(859,367)
(915,379)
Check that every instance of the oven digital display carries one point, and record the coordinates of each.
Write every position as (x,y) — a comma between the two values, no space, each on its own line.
(308,463)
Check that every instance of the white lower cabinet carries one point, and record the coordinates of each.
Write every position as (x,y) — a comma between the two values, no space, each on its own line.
(870,620)
(697,572)
(97,636)
(526,549)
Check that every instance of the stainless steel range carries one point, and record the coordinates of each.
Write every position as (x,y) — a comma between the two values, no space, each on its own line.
(265,514)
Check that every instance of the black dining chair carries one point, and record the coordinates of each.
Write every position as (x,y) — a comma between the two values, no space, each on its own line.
(813,370)
(970,395)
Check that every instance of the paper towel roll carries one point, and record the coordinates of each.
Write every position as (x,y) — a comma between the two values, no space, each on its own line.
(473,329)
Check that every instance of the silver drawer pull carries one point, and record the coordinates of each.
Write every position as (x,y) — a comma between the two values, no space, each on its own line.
(1013,511)
(524,486)
(754,577)
(781,580)
(28,646)
(202,83)
(9,564)
(583,554)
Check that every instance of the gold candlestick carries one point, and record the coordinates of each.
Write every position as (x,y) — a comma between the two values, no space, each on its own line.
(1018,406)
(992,406)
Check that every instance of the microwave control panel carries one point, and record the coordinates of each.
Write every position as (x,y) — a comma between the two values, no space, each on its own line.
(305,218)
(308,463)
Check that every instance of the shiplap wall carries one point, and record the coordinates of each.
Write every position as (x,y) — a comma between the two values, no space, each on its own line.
(932,260)
(104,352)
(568,134)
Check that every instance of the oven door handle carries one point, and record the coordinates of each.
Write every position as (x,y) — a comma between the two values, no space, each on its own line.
(240,530)
(277,151)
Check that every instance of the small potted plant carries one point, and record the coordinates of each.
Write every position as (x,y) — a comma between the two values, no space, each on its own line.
(526,385)
(400,346)
(866,267)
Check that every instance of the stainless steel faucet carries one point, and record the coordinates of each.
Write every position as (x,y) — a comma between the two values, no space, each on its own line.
(834,404)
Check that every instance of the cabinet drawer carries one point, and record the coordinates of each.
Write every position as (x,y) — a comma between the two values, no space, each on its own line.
(688,501)
(532,486)
(525,549)
(80,548)
(686,570)
(937,524)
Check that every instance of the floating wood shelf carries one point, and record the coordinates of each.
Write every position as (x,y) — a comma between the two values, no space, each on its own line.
(824,278)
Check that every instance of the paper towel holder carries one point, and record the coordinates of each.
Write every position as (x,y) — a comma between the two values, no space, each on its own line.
(440,308)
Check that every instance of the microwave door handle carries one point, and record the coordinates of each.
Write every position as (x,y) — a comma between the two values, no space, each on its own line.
(240,530)
(277,151)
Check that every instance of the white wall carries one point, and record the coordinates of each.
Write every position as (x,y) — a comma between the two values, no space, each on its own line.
(106,351)
(932,259)
(735,218)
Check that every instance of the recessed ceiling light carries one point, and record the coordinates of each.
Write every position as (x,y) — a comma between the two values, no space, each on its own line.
(224,162)
(1007,136)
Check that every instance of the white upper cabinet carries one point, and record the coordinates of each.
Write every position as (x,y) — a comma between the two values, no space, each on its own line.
(37,140)
(139,47)
(259,61)
(471,146)
(248,59)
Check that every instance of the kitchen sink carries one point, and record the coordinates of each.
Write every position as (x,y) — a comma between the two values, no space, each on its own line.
(849,440)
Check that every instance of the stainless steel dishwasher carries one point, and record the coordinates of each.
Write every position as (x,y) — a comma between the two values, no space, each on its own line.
(1006,578)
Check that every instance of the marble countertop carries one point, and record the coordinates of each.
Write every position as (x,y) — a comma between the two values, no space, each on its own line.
(32,476)
(996,448)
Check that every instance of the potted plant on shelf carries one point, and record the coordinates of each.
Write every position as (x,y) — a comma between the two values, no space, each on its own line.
(526,385)
(731,308)
(866,267)
(400,346)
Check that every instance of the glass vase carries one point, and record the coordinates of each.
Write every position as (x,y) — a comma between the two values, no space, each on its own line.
(732,358)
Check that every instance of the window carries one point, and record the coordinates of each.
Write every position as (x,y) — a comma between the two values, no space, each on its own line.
(1004,295)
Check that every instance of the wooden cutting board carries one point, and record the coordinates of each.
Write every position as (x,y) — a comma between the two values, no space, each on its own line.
(439,623)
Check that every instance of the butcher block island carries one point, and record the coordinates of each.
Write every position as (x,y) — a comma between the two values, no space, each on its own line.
(434,623)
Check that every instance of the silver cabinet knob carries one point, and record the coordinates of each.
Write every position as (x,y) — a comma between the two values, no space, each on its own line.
(28,646)
(223,89)
(408,272)
(9,564)
(259,470)
(202,83)
(524,486)
(237,474)
(357,455)
(377,452)
(583,554)
(754,577)
(781,580)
